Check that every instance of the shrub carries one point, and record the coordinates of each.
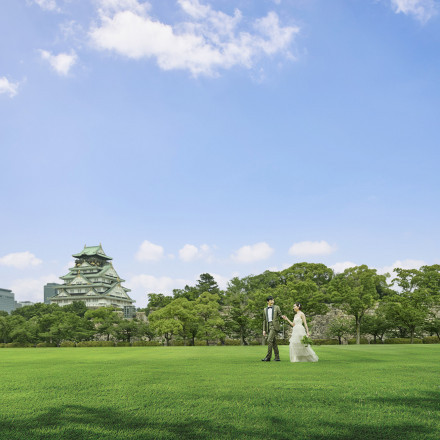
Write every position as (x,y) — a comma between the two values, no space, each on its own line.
(431,340)
(95,344)
(123,344)
(283,342)
(2,345)
(199,343)
(325,342)
(254,342)
(402,341)
(147,344)
(179,343)
(46,344)
(18,345)
(230,342)
(353,341)
(67,344)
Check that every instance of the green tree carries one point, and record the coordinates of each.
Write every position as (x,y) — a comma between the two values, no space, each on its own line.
(238,318)
(6,327)
(206,283)
(309,294)
(430,280)
(355,291)
(38,309)
(176,318)
(207,308)
(341,328)
(128,329)
(145,329)
(156,301)
(376,324)
(432,325)
(319,273)
(165,322)
(77,307)
(69,327)
(25,332)
(410,306)
(46,322)
(188,292)
(183,311)
(105,320)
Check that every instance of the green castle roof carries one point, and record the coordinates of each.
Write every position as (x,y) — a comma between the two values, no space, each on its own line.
(90,251)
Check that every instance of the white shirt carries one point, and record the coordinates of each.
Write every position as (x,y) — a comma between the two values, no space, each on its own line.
(270,314)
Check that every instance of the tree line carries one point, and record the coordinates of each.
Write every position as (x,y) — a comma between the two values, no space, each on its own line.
(52,324)
(401,305)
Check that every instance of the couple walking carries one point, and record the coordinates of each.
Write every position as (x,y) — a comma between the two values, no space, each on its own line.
(299,352)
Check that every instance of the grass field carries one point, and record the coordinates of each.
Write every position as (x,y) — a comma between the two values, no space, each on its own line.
(353,392)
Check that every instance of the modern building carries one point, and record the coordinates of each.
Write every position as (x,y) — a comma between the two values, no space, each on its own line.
(24,304)
(7,300)
(94,281)
(50,290)
(129,312)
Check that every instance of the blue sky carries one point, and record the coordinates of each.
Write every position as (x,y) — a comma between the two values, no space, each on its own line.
(192,136)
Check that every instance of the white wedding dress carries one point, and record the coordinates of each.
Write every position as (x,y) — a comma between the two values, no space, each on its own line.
(298,351)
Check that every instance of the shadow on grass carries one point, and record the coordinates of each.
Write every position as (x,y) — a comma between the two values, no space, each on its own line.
(78,422)
(429,401)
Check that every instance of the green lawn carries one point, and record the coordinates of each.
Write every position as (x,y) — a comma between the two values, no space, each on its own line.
(353,392)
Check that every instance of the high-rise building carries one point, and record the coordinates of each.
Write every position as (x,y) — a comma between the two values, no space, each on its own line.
(92,280)
(50,290)
(7,300)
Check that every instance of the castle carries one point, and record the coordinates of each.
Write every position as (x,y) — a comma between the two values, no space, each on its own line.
(94,281)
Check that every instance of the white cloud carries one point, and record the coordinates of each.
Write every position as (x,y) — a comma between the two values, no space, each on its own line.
(422,10)
(149,252)
(210,40)
(402,264)
(221,280)
(189,252)
(61,63)
(251,253)
(8,87)
(150,283)
(306,248)
(47,5)
(68,266)
(107,7)
(20,260)
(340,267)
(32,289)
(277,269)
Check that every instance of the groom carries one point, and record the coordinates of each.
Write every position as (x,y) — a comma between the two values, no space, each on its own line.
(271,326)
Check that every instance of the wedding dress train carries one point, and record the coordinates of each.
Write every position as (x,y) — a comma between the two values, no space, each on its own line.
(298,351)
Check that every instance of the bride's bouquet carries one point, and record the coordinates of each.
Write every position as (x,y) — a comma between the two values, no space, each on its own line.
(306,341)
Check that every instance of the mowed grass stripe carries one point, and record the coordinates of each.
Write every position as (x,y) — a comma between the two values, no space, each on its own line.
(353,392)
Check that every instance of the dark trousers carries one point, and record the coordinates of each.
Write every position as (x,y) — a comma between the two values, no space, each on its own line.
(272,343)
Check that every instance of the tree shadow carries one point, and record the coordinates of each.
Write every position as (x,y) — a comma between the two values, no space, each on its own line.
(430,400)
(389,431)
(81,422)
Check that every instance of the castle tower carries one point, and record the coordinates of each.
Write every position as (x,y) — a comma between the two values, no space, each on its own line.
(92,280)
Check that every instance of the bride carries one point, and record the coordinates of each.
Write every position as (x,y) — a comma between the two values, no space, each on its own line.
(299,352)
